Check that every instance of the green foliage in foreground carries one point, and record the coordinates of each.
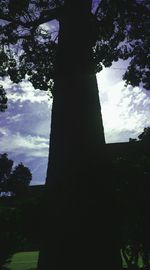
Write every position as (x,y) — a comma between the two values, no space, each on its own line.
(19,227)
(28,261)
(23,261)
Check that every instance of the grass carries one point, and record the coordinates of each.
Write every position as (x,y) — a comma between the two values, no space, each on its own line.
(28,261)
(23,261)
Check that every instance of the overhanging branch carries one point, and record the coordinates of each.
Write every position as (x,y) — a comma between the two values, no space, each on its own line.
(45,16)
(97,9)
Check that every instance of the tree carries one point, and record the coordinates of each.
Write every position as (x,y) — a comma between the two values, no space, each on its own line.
(13,180)
(5,171)
(19,180)
(143,137)
(3,99)
(75,189)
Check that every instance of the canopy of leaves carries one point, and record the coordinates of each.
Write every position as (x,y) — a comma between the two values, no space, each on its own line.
(143,137)
(120,30)
(19,179)
(13,180)
(124,32)
(5,167)
(3,99)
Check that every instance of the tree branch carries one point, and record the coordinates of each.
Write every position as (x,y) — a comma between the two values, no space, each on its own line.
(45,16)
(9,19)
(97,9)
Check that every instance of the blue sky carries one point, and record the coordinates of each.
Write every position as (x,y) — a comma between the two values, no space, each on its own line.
(25,126)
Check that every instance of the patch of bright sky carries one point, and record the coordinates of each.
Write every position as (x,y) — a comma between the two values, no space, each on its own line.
(25,126)
(125,110)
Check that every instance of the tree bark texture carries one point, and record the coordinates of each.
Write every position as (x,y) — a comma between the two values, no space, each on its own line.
(76,222)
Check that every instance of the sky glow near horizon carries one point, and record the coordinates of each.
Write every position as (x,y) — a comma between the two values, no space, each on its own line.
(25,126)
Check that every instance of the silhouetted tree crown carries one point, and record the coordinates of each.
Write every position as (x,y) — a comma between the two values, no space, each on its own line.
(13,180)
(3,99)
(117,30)
(19,179)
(5,167)
(144,136)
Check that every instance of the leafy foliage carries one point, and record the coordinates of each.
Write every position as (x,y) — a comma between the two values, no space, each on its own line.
(132,173)
(5,171)
(123,34)
(119,30)
(13,180)
(19,179)
(3,99)
(19,227)
(144,136)
(17,7)
(38,63)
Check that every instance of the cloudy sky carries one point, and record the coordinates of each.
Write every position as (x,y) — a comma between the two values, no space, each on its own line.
(25,126)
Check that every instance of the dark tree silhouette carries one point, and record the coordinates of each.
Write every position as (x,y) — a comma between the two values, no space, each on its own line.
(18,7)
(5,171)
(19,180)
(132,174)
(3,99)
(143,137)
(13,180)
(78,232)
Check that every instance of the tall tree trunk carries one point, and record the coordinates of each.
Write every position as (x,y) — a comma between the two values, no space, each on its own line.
(76,229)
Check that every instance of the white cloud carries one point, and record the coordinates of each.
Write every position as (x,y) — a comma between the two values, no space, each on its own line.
(125,110)
(24,91)
(6,82)
(28,93)
(3,131)
(25,126)
(14,118)
(32,146)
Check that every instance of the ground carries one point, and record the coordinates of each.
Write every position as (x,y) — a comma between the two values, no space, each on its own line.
(23,261)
